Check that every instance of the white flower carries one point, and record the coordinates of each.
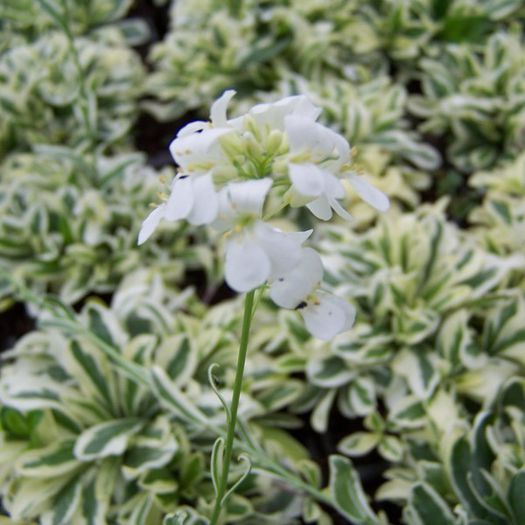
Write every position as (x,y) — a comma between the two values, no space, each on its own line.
(323,152)
(326,316)
(196,147)
(289,289)
(240,200)
(317,142)
(273,115)
(256,252)
(261,253)
(192,198)
(318,189)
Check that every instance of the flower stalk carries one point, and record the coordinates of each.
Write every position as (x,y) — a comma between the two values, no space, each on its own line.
(232,420)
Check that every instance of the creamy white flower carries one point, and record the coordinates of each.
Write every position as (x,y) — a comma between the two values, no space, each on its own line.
(316,154)
(192,198)
(241,199)
(316,142)
(289,289)
(318,189)
(326,315)
(196,147)
(261,253)
(273,115)
(244,155)
(255,251)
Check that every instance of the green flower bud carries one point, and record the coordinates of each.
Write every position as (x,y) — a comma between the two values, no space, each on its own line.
(274,142)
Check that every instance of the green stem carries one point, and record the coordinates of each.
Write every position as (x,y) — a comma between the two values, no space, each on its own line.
(139,374)
(228,447)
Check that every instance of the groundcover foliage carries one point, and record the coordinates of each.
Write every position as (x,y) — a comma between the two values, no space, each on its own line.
(116,386)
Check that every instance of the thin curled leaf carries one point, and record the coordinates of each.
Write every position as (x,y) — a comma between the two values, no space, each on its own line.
(214,387)
(217,464)
(244,458)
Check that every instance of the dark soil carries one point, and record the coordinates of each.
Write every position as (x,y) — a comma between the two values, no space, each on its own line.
(14,323)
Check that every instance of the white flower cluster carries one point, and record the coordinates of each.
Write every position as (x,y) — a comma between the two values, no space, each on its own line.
(227,171)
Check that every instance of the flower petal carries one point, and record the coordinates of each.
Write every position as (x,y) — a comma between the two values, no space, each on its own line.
(205,201)
(329,317)
(249,196)
(273,115)
(334,203)
(333,186)
(303,107)
(369,193)
(283,249)
(180,201)
(192,127)
(190,151)
(290,289)
(307,179)
(316,139)
(150,223)
(321,208)
(246,265)
(226,214)
(219,107)
(341,146)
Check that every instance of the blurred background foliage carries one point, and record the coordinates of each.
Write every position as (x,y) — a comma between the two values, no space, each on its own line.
(426,393)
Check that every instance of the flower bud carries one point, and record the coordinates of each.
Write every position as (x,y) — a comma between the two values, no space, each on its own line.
(253,147)
(274,142)
(224,173)
(232,145)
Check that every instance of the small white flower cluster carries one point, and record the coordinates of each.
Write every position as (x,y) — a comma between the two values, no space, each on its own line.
(227,171)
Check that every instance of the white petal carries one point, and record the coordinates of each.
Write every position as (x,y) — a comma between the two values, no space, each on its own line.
(290,289)
(219,108)
(321,208)
(333,186)
(246,265)
(329,317)
(192,127)
(303,107)
(307,179)
(369,193)
(283,249)
(180,201)
(205,201)
(334,203)
(350,315)
(198,148)
(150,223)
(248,196)
(318,140)
(226,214)
(341,146)
(273,115)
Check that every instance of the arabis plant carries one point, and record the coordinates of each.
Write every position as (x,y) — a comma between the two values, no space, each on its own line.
(236,175)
